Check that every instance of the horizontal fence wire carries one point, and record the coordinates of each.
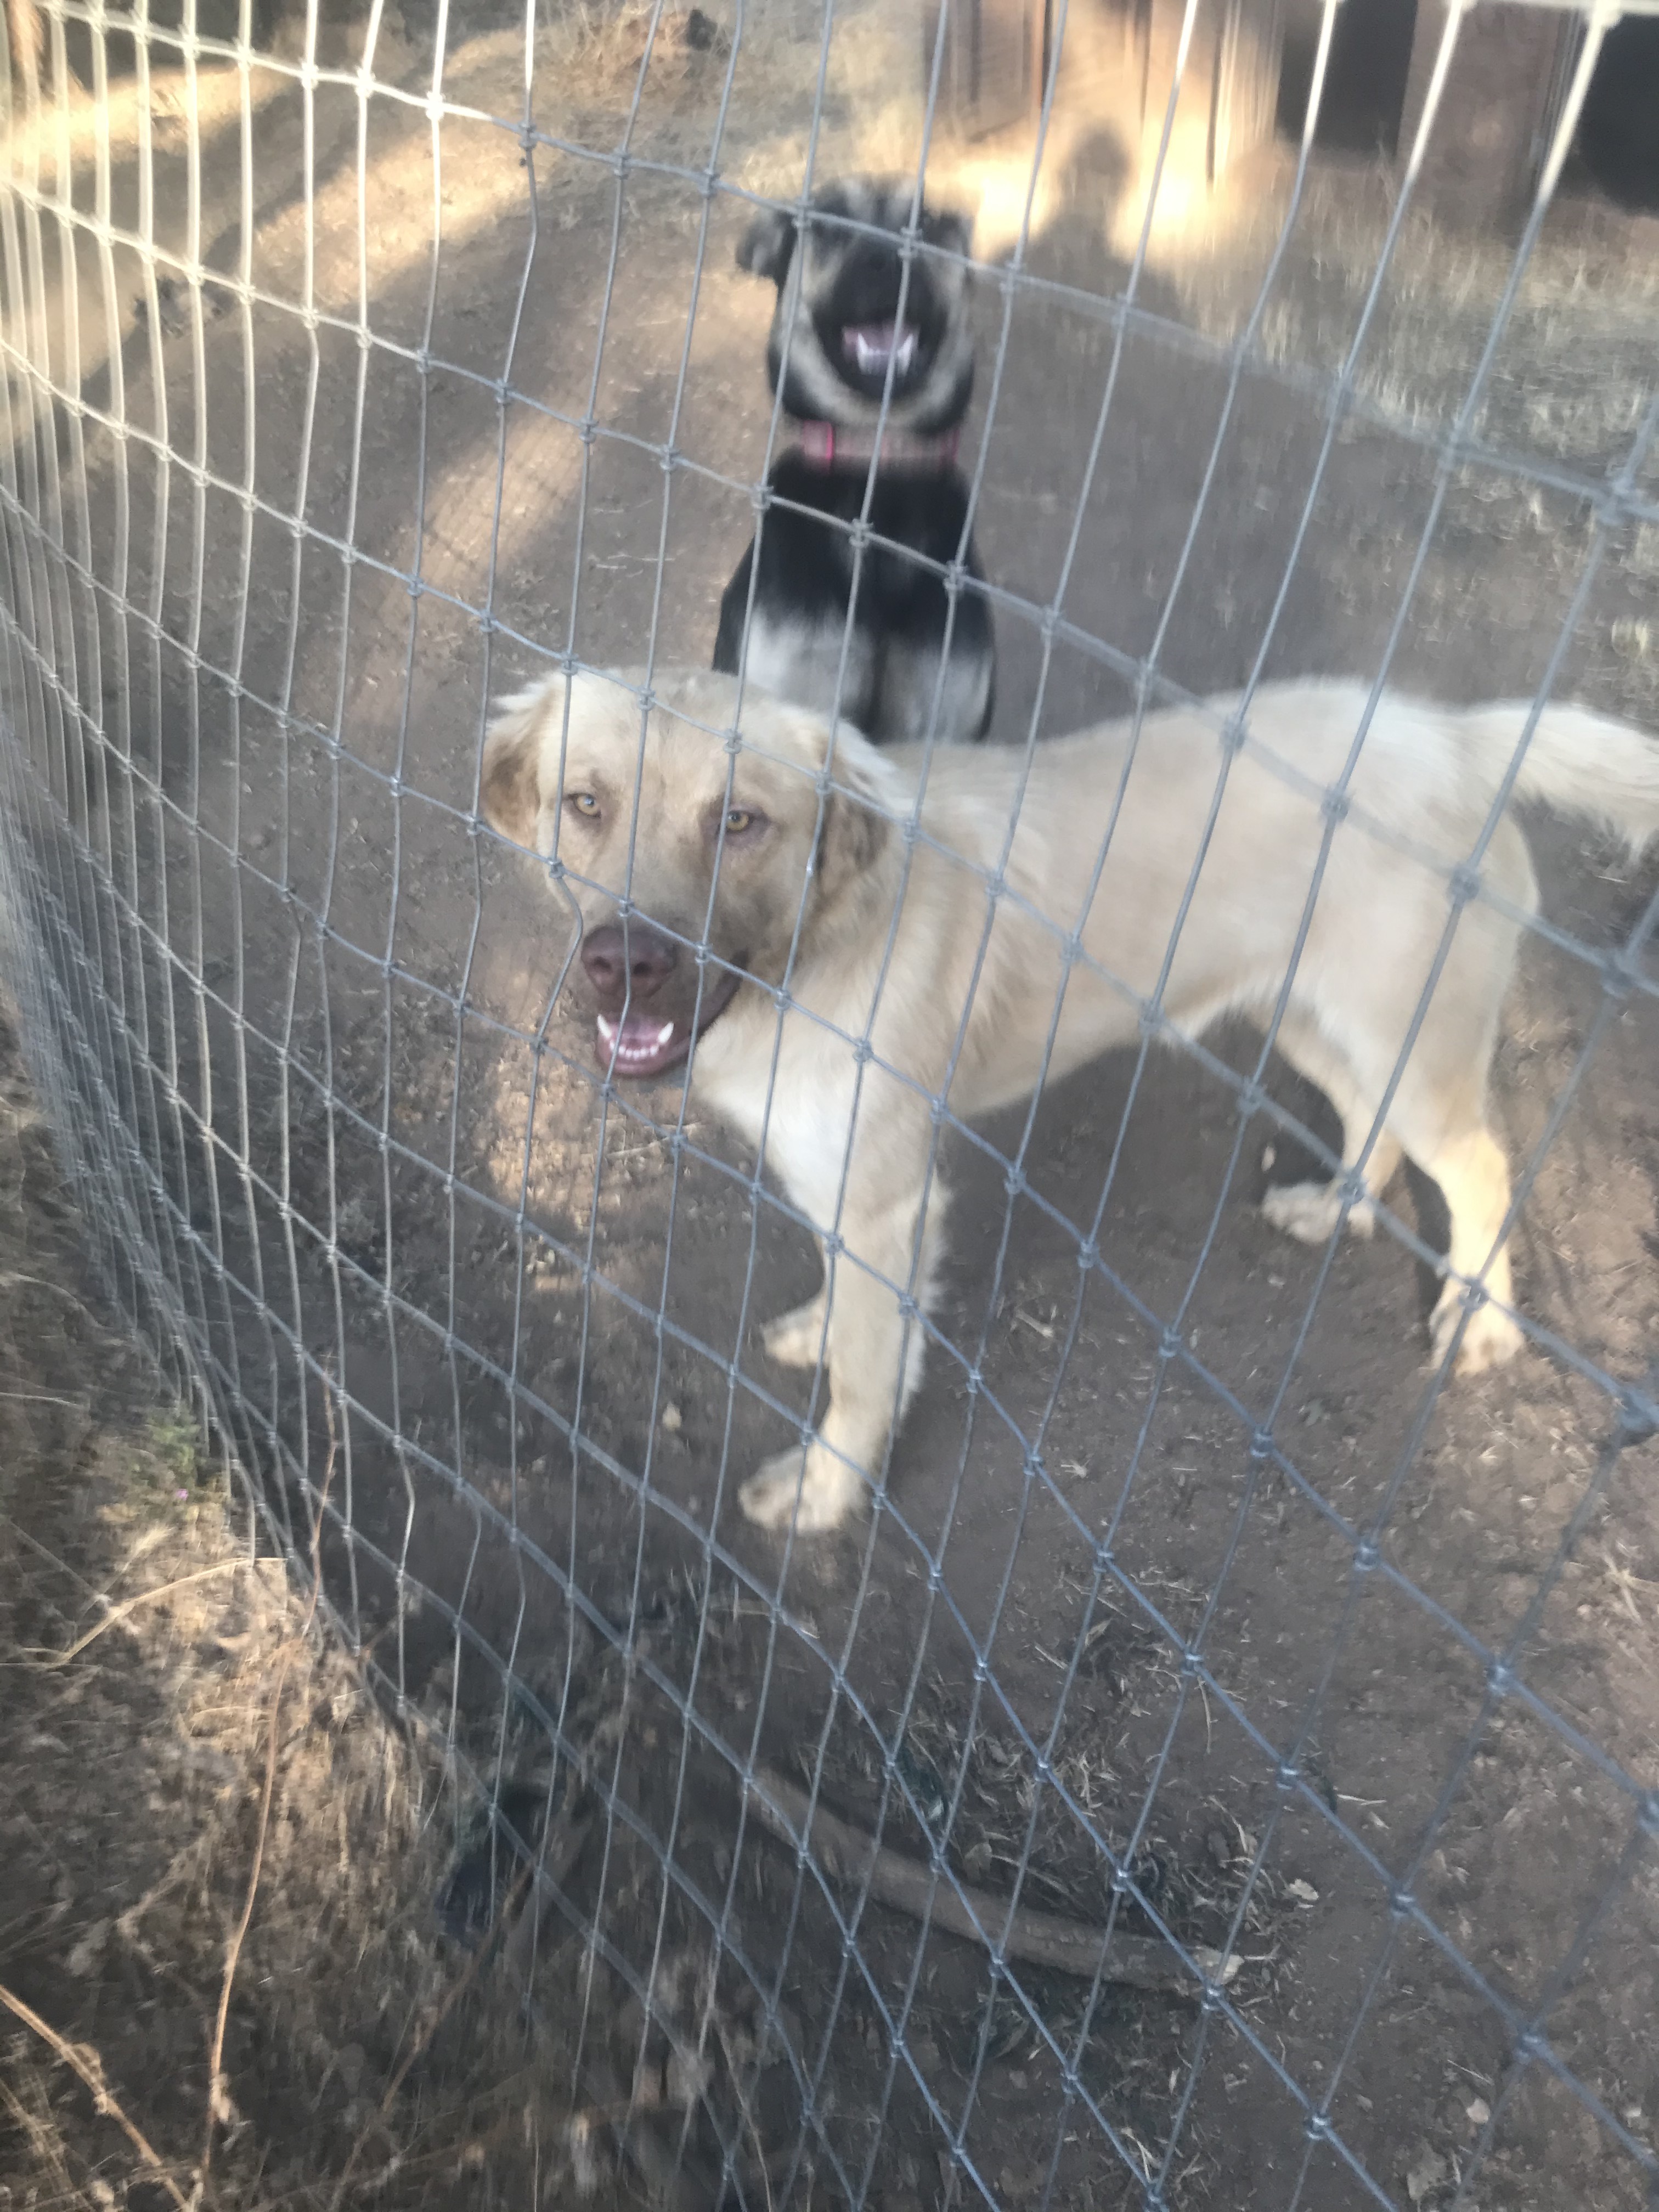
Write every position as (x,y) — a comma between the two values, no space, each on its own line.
(1210,1757)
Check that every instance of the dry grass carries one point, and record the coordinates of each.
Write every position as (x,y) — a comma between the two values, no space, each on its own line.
(217,1847)
(1574,369)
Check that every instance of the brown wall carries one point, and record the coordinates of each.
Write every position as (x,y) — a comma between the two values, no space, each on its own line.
(1482,159)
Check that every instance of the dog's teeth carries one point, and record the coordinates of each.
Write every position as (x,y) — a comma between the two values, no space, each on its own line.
(607,1030)
(662,1035)
(907,354)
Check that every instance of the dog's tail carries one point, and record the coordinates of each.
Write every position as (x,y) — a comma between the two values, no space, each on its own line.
(1577,762)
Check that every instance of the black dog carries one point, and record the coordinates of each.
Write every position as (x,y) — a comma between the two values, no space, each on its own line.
(836,340)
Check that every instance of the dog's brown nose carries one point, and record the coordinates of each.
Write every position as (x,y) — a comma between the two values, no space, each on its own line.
(627,960)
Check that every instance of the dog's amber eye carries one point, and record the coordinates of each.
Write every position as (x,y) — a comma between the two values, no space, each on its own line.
(738,820)
(583,803)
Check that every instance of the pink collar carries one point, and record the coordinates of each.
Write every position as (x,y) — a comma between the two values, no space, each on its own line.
(829,446)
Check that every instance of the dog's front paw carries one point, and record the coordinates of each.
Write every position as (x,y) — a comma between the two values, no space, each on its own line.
(796,1339)
(1310,1212)
(1491,1340)
(821,1499)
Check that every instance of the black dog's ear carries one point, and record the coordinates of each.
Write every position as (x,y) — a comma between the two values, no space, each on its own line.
(946,227)
(510,792)
(768,244)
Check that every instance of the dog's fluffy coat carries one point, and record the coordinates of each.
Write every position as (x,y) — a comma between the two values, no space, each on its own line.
(901,664)
(759,852)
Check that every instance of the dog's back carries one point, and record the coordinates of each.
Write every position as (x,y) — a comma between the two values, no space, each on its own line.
(1423,780)
(1180,886)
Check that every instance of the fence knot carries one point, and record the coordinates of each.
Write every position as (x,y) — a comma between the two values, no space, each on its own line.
(1618,974)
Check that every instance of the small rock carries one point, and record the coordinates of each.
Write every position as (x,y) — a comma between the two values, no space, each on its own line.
(922,1779)
(582,2142)
(1304,1892)
(780,2037)
(702,35)
(687,2077)
(1422,2178)
(977,1860)
(671,1418)
(1219,1845)
(1478,2112)
(87,1950)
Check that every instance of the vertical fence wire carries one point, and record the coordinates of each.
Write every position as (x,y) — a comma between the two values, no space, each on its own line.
(454,1296)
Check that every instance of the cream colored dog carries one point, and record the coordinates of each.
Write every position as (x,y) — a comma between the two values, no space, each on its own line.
(874,955)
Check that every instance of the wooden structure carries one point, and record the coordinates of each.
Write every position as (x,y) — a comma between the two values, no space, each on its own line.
(1509,76)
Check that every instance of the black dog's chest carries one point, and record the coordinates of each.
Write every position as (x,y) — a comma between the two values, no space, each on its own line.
(923,513)
(874,635)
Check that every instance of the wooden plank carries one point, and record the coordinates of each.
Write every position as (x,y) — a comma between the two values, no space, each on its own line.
(1244,96)
(991,75)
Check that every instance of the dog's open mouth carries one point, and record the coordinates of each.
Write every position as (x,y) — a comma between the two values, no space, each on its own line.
(643,1044)
(870,346)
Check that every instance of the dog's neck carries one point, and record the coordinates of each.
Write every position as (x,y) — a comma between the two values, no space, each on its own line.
(833,445)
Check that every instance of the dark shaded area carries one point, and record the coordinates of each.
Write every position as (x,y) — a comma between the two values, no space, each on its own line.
(1365,93)
(1618,142)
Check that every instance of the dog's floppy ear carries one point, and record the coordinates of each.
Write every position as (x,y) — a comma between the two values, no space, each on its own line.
(510,791)
(768,246)
(856,827)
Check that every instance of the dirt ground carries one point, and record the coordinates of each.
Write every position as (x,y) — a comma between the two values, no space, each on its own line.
(382,1156)
(207,1821)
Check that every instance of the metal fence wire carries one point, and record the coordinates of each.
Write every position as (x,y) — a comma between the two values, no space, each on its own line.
(1215,1763)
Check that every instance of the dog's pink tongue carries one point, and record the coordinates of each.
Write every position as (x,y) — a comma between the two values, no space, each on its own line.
(637,1041)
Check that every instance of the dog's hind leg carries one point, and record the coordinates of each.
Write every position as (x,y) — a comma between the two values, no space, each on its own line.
(1311,1211)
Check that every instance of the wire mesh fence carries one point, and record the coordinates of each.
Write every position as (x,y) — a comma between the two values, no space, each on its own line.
(1157,1734)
